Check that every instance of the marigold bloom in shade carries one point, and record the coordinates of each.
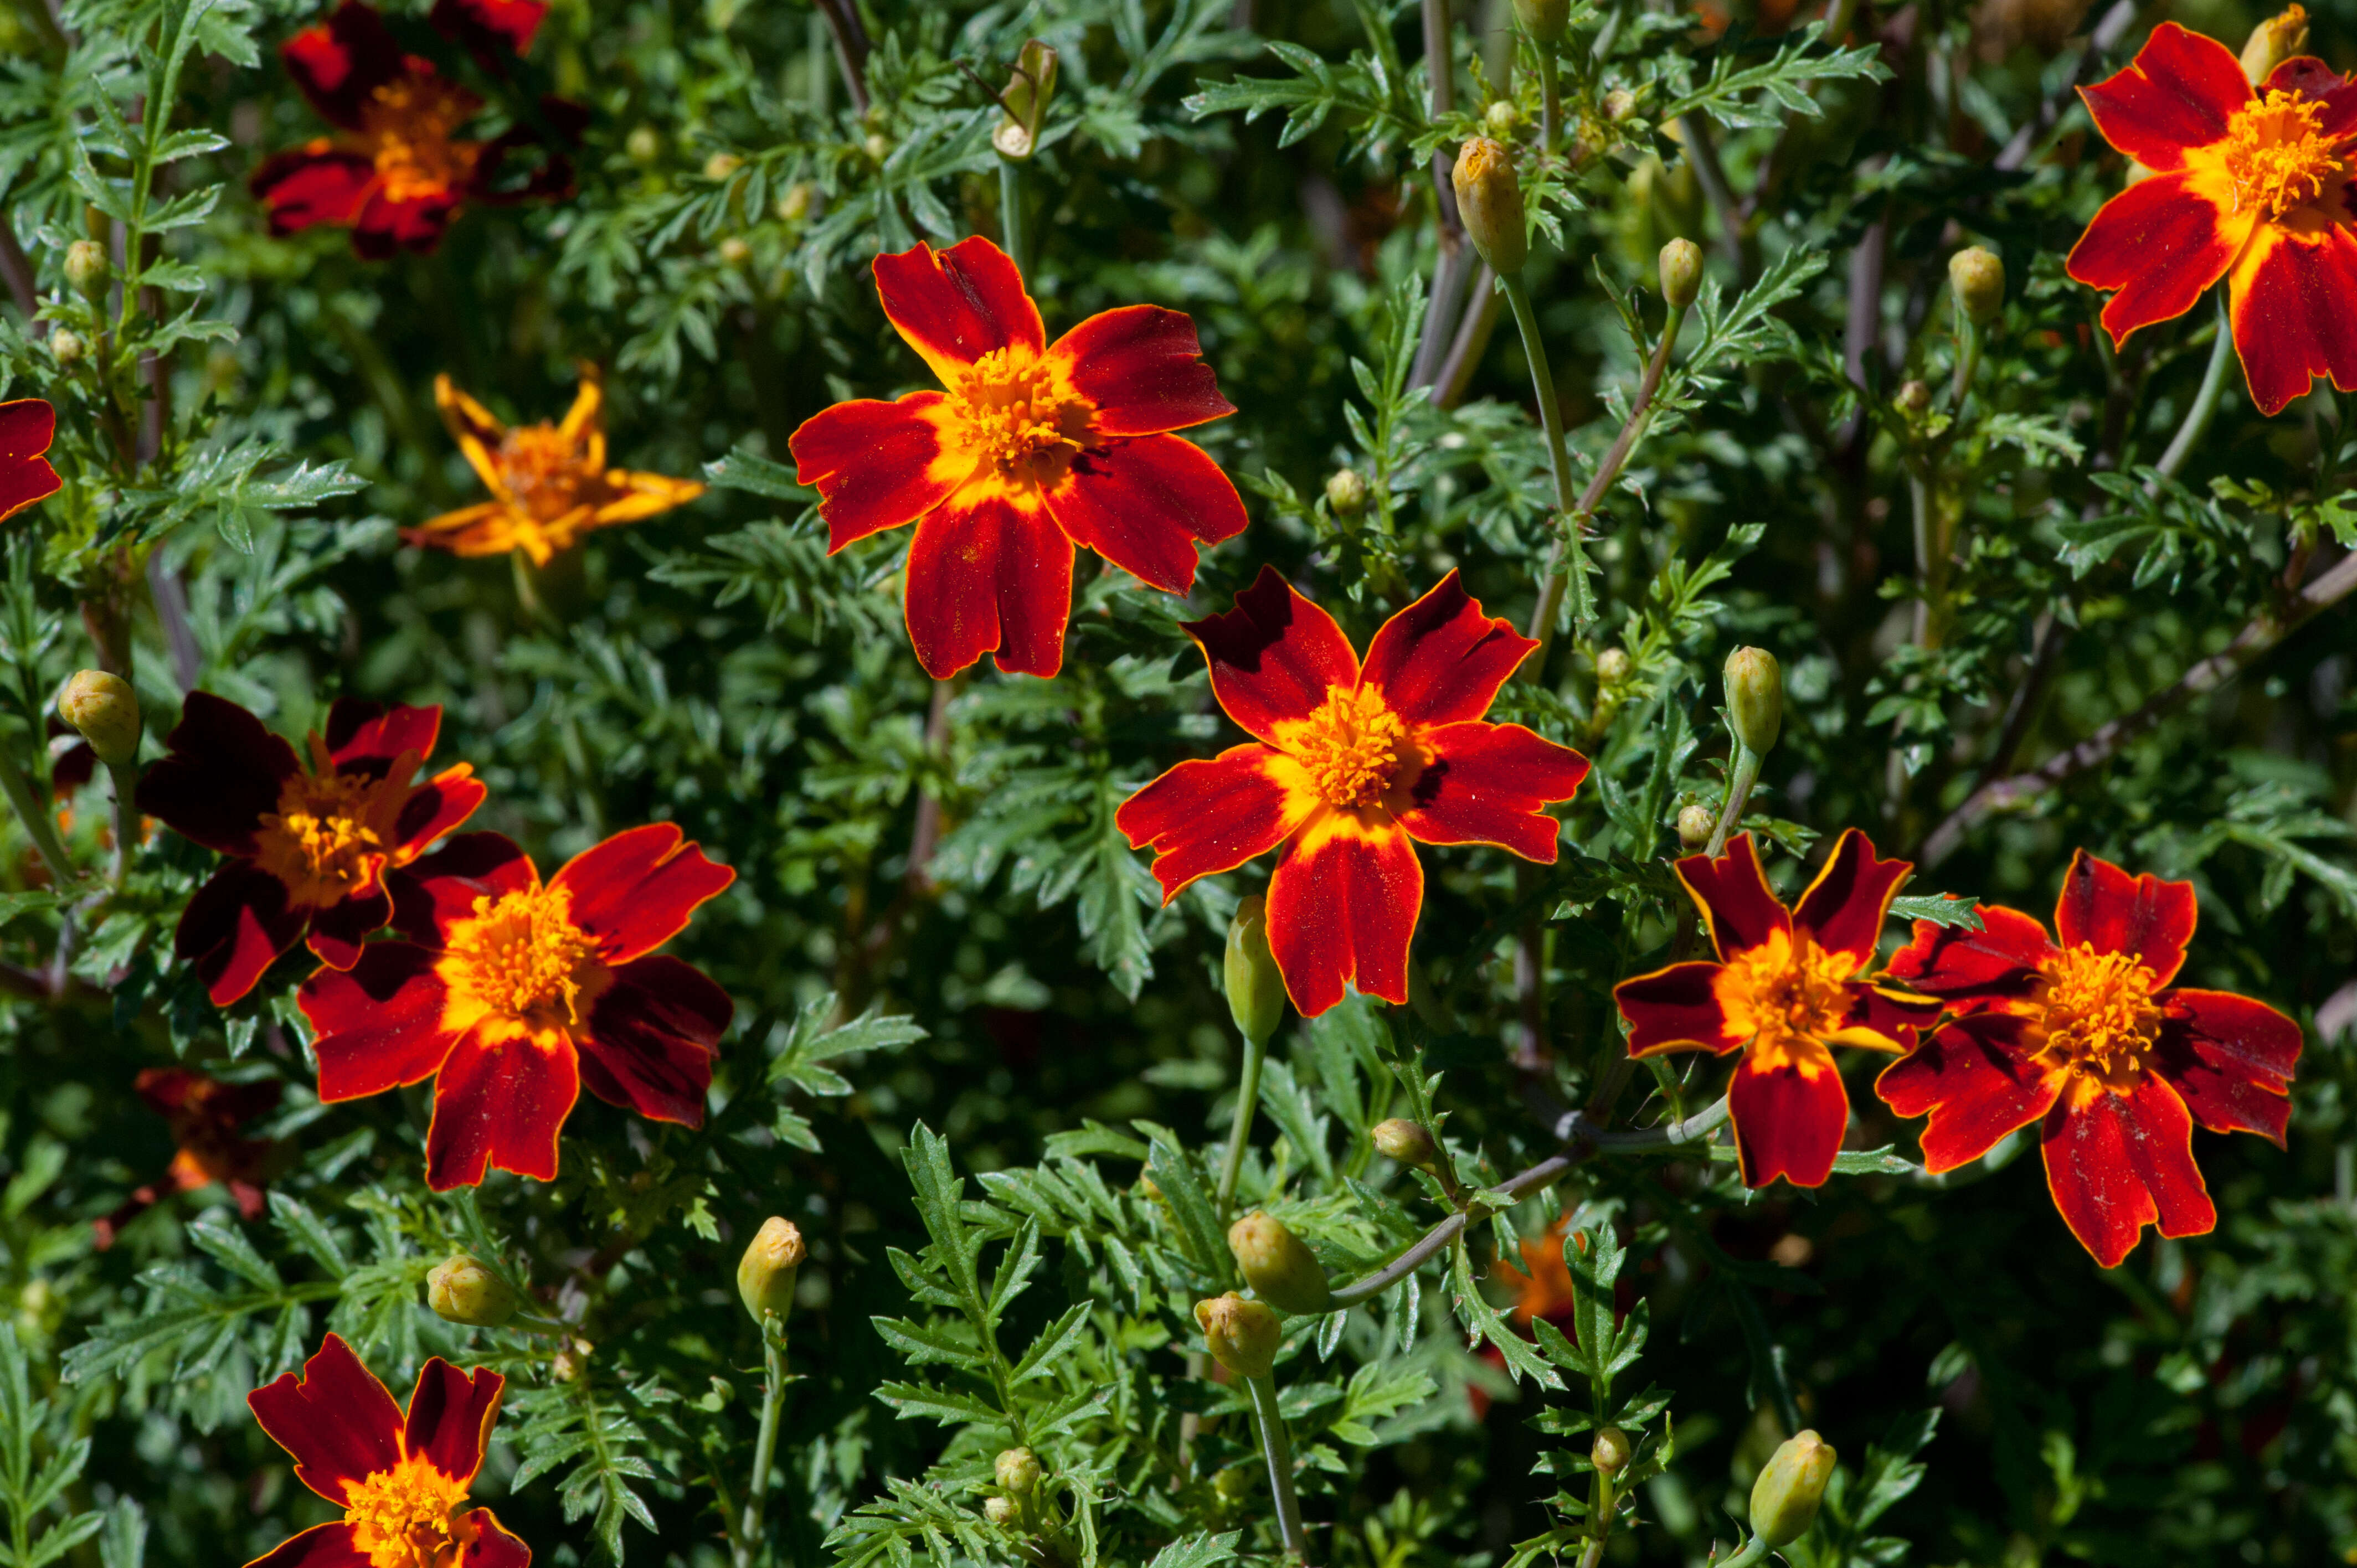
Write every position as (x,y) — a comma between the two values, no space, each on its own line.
(1033,449)
(27,426)
(1347,766)
(206,1116)
(2086,1035)
(1789,984)
(2250,184)
(401,1480)
(513,994)
(308,850)
(549,483)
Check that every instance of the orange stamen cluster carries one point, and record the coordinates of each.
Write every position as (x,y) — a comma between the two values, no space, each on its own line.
(409,120)
(521,957)
(1353,749)
(2093,1013)
(1015,419)
(541,468)
(1785,991)
(333,832)
(402,1517)
(2277,153)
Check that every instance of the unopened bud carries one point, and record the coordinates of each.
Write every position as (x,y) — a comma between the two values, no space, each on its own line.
(765,1274)
(720,166)
(461,1290)
(1026,102)
(1244,1335)
(1681,272)
(1490,204)
(999,1511)
(66,348)
(734,251)
(1755,698)
(1255,989)
(1403,1140)
(1784,1499)
(1915,398)
(1501,119)
(643,145)
(1280,1270)
(1346,492)
(1543,20)
(878,146)
(1695,825)
(105,710)
(2274,41)
(1018,1471)
(1619,104)
(1609,1452)
(1234,1483)
(794,201)
(1612,665)
(87,266)
(569,1363)
(1977,277)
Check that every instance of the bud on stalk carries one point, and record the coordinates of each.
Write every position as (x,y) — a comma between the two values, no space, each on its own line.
(1026,102)
(1755,698)
(1695,824)
(1501,119)
(1977,279)
(2274,41)
(1914,399)
(1609,1452)
(1346,493)
(1490,203)
(1018,1472)
(87,267)
(999,1511)
(460,1290)
(1244,1335)
(1784,1499)
(1403,1140)
(1255,989)
(765,1274)
(1284,1273)
(67,348)
(1681,272)
(105,710)
(1543,20)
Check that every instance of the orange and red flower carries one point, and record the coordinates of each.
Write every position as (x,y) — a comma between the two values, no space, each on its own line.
(206,1115)
(2087,1037)
(1033,448)
(308,849)
(1348,768)
(1789,985)
(401,1480)
(27,427)
(514,994)
(2253,185)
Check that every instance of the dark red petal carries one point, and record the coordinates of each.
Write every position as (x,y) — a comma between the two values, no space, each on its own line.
(312,186)
(954,306)
(367,738)
(337,931)
(441,887)
(1274,656)
(2294,306)
(2312,79)
(2230,1059)
(1143,368)
(1846,905)
(496,32)
(1204,817)
(2117,1163)
(339,64)
(321,1546)
(2113,912)
(494,1547)
(650,1043)
(1441,661)
(1484,783)
(1343,909)
(1143,504)
(1891,1019)
(27,426)
(386,226)
(379,1026)
(439,807)
(1732,892)
(450,1417)
(223,772)
(25,483)
(1976,1081)
(335,1420)
(499,1102)
(989,570)
(2218,1093)
(1675,1009)
(2161,243)
(878,464)
(1970,968)
(1789,1115)
(2180,91)
(235,928)
(636,891)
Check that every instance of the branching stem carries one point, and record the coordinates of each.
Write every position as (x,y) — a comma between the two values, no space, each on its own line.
(1279,1452)
(1738,790)
(765,1446)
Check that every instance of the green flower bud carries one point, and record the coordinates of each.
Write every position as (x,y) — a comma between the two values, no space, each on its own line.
(1026,102)
(2274,41)
(1018,1471)
(999,1511)
(1914,399)
(1235,1483)
(1543,20)
(794,201)
(1501,119)
(1784,1499)
(1617,104)
(765,1274)
(643,145)
(460,1290)
(1255,989)
(720,166)
(1402,1140)
(567,1365)
(88,267)
(1977,279)
(1681,272)
(1346,492)
(878,146)
(66,348)
(1283,1272)
(1612,665)
(1695,825)
(1609,1452)
(1490,203)
(734,251)
(1755,698)
(1243,1334)
(105,710)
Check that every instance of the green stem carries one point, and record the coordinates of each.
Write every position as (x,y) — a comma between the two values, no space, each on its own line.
(1968,362)
(37,825)
(1738,790)
(765,1446)
(1550,100)
(2205,401)
(1518,299)
(124,778)
(1280,1466)
(1015,241)
(1754,1549)
(1600,1520)
(1247,1099)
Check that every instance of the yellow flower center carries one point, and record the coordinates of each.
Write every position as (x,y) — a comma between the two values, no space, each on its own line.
(409,120)
(541,466)
(333,832)
(1015,419)
(2277,155)
(2094,1013)
(1785,991)
(404,1517)
(520,956)
(1354,748)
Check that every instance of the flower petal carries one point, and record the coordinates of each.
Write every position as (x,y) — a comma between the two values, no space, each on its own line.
(384,225)
(2220,1097)
(1737,906)
(1274,656)
(337,931)
(379,1026)
(1845,908)
(1971,968)
(494,1546)
(496,32)
(439,807)
(27,427)
(1790,1111)
(650,1043)
(954,306)
(1143,368)
(1677,1009)
(440,888)
(1880,1020)
(1141,504)
(2180,91)
(1441,661)
(2117,1163)
(367,738)
(1207,816)
(2160,242)
(501,1099)
(1343,907)
(2295,307)
(2113,912)
(450,1417)
(1484,783)
(1976,1081)
(335,1420)
(989,570)
(2230,1059)
(321,1546)
(2312,79)
(222,772)
(635,891)
(235,928)
(340,63)
(878,464)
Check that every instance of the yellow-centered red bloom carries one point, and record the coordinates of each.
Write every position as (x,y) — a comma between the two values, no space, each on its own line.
(2253,185)
(2086,1037)
(549,483)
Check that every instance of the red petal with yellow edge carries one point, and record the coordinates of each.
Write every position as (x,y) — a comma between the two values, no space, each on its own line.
(490,28)
(27,427)
(2112,912)
(2160,242)
(1675,1009)
(440,888)
(1484,783)
(235,928)
(1975,1079)
(386,226)
(2312,79)
(1878,1020)
(2220,1097)
(650,1038)
(367,738)
(500,1100)
(1211,815)
(1343,909)
(2179,92)
(1143,368)
(379,1024)
(222,772)
(1441,661)
(335,1420)
(1733,895)
(494,1547)
(636,891)
(2295,308)
(1969,968)
(321,1546)
(339,64)
(439,807)
(313,186)
(450,1417)
(1274,656)
(337,931)
(1143,504)
(954,306)
(878,464)
(1789,1114)
(2251,1037)
(2117,1163)
(989,571)
(1846,905)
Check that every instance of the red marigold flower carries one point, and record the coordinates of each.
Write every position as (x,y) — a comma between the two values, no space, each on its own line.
(1346,767)
(206,1115)
(308,849)
(2087,1037)
(27,427)
(1033,448)
(514,994)
(2249,184)
(1788,986)
(401,1480)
